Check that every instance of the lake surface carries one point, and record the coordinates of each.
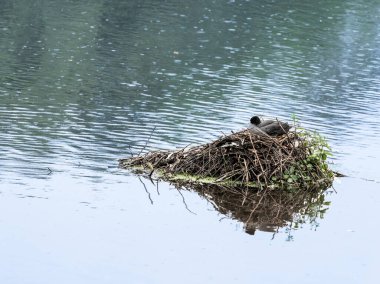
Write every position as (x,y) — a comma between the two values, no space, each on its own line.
(84,83)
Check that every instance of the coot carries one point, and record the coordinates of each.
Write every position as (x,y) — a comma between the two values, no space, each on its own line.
(270,127)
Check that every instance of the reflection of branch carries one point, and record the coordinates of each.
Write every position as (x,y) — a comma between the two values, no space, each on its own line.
(146,142)
(274,234)
(146,190)
(257,205)
(184,202)
(158,193)
(152,181)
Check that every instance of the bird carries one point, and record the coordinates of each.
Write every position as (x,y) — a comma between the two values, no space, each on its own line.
(269,127)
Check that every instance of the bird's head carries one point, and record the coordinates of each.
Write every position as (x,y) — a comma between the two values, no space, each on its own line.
(255,120)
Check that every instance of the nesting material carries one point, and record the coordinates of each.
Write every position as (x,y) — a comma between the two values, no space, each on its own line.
(295,159)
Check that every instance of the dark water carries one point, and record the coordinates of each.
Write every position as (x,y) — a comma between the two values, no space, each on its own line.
(83,83)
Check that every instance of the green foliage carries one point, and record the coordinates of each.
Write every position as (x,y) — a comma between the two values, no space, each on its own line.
(314,167)
(319,150)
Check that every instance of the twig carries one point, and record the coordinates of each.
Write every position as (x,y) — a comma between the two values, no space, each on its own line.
(146,142)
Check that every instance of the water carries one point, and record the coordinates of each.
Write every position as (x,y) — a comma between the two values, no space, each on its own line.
(83,83)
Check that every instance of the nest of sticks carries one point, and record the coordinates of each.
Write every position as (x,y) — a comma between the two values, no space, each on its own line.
(241,158)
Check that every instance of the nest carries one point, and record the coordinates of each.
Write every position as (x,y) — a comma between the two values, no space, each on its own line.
(241,158)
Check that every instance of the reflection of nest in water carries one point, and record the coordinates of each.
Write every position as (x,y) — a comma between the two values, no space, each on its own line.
(265,210)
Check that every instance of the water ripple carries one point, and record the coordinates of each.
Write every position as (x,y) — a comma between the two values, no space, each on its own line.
(88,87)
